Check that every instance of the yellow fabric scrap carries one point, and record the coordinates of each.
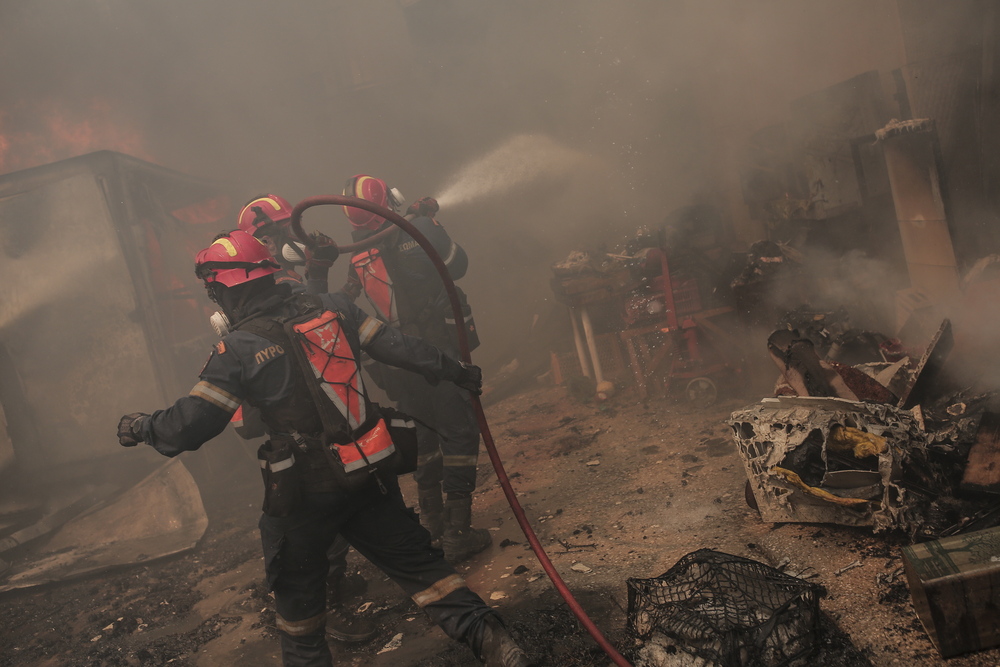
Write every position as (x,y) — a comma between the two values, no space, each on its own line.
(794,479)
(845,439)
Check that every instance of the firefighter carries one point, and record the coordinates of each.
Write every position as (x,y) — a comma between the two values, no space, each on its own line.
(267,217)
(402,285)
(318,446)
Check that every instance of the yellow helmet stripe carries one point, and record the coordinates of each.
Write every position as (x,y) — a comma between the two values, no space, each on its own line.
(359,185)
(227,244)
(273,203)
(256,202)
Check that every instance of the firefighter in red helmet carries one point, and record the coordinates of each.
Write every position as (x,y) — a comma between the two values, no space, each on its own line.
(267,217)
(403,287)
(331,459)
(264,212)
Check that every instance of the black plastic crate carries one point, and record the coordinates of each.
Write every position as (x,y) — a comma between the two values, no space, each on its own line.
(727,610)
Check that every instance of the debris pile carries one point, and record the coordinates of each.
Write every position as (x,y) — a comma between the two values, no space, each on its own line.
(883,443)
(829,460)
(650,310)
(771,274)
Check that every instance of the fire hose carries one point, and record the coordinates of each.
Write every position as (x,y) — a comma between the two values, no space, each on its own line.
(363,244)
(463,346)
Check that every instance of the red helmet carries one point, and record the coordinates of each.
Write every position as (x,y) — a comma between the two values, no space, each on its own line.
(263,211)
(370,189)
(234,258)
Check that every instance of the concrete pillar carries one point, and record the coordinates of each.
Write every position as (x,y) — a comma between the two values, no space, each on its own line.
(911,156)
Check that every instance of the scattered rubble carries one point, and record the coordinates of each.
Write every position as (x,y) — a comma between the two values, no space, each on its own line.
(394,643)
(847,567)
(887,443)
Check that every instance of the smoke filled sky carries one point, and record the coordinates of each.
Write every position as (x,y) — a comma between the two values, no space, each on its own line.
(656,97)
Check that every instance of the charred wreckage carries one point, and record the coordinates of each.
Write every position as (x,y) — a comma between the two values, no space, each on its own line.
(898,433)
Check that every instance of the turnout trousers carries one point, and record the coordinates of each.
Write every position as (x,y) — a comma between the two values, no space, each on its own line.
(383,530)
(450,452)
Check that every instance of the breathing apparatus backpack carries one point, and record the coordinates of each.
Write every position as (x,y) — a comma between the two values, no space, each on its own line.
(361,440)
(427,316)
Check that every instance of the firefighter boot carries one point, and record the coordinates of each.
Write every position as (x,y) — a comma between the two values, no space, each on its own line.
(344,626)
(341,624)
(493,645)
(432,511)
(460,539)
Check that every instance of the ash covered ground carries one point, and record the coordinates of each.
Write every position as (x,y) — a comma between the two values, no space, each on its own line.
(623,488)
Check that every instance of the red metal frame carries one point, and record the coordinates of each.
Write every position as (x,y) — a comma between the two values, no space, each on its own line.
(687,327)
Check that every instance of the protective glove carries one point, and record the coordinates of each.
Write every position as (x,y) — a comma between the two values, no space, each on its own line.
(426,206)
(325,251)
(129,429)
(470,378)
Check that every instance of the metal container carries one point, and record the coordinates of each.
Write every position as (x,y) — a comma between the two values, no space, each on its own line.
(955,586)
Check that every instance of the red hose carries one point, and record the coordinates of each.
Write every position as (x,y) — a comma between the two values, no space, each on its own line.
(484,427)
(364,244)
(357,246)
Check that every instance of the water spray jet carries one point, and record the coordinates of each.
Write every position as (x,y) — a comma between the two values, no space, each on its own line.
(518,161)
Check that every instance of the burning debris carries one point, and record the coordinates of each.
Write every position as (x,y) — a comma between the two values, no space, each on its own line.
(879,444)
(864,431)
(829,460)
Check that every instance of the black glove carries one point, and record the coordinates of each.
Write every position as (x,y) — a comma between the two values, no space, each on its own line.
(470,378)
(425,206)
(324,251)
(129,428)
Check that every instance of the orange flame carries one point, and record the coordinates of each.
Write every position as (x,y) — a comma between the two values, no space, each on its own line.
(32,135)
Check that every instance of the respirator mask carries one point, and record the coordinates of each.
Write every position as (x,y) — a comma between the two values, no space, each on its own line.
(220,323)
(294,253)
(395,199)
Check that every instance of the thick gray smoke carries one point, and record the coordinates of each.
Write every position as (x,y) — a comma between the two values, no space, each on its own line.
(294,98)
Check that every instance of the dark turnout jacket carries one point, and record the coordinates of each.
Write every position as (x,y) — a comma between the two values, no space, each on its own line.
(246,367)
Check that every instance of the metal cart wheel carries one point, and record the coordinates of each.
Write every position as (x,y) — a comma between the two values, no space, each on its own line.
(701,392)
